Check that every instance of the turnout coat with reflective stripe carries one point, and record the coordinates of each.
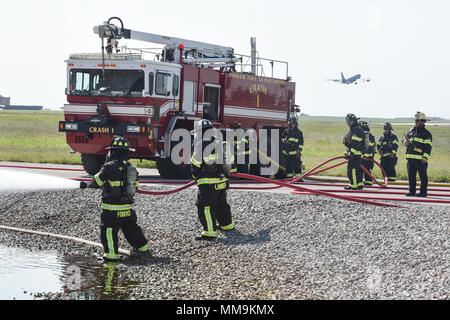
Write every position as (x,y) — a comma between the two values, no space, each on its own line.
(388,145)
(421,144)
(292,139)
(206,169)
(355,141)
(111,179)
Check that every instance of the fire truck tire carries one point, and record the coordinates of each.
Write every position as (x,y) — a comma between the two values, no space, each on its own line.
(255,169)
(167,169)
(92,163)
(185,171)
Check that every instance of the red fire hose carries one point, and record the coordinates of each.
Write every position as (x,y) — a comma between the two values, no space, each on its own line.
(163,193)
(421,200)
(313,172)
(298,188)
(290,183)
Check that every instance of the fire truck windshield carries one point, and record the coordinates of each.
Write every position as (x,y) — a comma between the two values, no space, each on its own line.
(117,83)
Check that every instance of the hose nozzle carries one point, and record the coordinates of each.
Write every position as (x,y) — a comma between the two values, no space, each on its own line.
(84,185)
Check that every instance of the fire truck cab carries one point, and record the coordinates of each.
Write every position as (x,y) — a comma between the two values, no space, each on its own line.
(145,99)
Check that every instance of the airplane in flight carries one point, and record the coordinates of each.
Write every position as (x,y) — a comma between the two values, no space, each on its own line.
(355,79)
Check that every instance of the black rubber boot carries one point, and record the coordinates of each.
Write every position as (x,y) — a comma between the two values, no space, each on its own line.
(422,195)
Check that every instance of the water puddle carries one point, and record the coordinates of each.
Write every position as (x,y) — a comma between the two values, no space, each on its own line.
(26,274)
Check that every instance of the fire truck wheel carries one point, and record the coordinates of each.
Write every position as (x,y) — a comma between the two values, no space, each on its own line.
(92,163)
(185,171)
(168,170)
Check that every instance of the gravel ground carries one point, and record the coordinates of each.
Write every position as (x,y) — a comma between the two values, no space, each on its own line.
(285,246)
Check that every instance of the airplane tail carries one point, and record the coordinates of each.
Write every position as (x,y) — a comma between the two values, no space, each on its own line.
(342,76)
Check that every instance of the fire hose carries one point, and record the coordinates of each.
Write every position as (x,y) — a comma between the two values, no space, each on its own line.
(60,236)
(313,172)
(290,183)
(298,188)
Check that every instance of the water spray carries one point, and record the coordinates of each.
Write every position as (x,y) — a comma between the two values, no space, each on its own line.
(14,180)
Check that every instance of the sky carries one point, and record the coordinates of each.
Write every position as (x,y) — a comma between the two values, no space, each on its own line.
(403,46)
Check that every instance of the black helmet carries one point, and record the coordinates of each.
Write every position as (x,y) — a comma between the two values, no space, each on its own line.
(120,143)
(388,126)
(206,124)
(351,117)
(364,125)
(293,120)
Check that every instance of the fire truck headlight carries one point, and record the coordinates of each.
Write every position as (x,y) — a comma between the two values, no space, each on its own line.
(133,129)
(71,126)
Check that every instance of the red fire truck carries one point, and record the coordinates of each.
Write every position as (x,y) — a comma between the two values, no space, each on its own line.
(121,91)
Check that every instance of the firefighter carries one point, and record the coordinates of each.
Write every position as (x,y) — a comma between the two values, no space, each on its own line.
(419,142)
(368,154)
(388,147)
(241,152)
(212,181)
(353,141)
(292,140)
(118,180)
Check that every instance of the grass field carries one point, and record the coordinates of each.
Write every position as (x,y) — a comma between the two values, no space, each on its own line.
(323,140)
(33,137)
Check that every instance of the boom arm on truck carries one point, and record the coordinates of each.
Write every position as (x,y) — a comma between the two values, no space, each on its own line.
(195,52)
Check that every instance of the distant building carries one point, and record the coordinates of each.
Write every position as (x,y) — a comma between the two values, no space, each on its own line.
(4,101)
(33,108)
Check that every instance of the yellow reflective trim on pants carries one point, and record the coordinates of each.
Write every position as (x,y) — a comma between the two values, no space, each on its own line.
(111,257)
(209,223)
(355,152)
(229,227)
(117,207)
(109,239)
(144,248)
(354,184)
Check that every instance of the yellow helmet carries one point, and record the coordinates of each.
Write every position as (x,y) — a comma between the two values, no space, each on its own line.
(420,116)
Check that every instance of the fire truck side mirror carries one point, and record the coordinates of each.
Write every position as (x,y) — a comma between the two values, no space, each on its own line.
(156,111)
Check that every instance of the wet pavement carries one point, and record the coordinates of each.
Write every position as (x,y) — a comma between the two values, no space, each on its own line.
(26,274)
